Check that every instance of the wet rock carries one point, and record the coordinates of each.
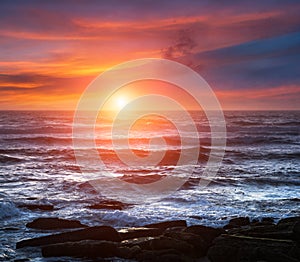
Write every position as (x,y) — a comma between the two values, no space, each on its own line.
(54,223)
(128,252)
(164,242)
(267,220)
(241,248)
(137,232)
(264,231)
(238,222)
(37,206)
(91,233)
(167,224)
(86,248)
(142,242)
(295,251)
(110,204)
(296,231)
(288,221)
(199,244)
(207,233)
(175,229)
(166,255)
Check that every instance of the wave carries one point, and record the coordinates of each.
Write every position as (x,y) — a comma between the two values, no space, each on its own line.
(8,209)
(5,159)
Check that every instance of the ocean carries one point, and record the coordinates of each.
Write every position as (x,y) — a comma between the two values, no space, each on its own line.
(259,175)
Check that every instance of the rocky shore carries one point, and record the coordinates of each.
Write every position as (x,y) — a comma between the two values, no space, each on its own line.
(240,240)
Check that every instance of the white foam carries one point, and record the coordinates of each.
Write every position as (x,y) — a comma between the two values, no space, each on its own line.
(7,209)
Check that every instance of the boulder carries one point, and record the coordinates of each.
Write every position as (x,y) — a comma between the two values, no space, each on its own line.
(288,220)
(237,222)
(167,224)
(91,233)
(165,255)
(296,231)
(264,231)
(54,223)
(164,242)
(86,248)
(241,248)
(199,244)
(136,232)
(129,252)
(207,233)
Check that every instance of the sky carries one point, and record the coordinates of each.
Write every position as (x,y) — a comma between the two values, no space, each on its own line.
(248,51)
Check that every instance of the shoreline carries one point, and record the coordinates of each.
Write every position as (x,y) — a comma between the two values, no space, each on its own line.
(239,240)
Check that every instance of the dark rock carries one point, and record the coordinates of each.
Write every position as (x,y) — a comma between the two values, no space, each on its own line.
(288,221)
(207,233)
(241,248)
(163,242)
(166,255)
(264,231)
(167,224)
(267,220)
(175,229)
(295,251)
(86,248)
(91,233)
(159,243)
(110,204)
(142,242)
(54,223)
(296,231)
(37,206)
(136,232)
(199,244)
(129,252)
(238,222)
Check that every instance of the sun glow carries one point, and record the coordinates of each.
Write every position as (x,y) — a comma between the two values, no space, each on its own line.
(120,102)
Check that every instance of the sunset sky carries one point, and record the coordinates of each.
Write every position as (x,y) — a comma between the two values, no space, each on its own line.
(248,51)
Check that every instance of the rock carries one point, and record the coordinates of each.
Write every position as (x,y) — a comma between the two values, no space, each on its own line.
(264,231)
(86,248)
(175,229)
(238,222)
(267,220)
(207,233)
(296,231)
(54,223)
(38,206)
(163,242)
(288,221)
(199,244)
(241,248)
(110,204)
(295,251)
(142,242)
(91,233)
(167,224)
(166,255)
(128,252)
(136,232)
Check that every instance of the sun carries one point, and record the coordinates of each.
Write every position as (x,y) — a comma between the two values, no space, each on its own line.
(120,102)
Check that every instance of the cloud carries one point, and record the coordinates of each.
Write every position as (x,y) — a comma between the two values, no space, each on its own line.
(183,46)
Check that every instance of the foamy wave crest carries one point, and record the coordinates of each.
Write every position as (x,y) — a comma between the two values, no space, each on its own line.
(7,209)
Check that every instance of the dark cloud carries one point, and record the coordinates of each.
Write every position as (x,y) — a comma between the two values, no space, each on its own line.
(262,63)
(182,46)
